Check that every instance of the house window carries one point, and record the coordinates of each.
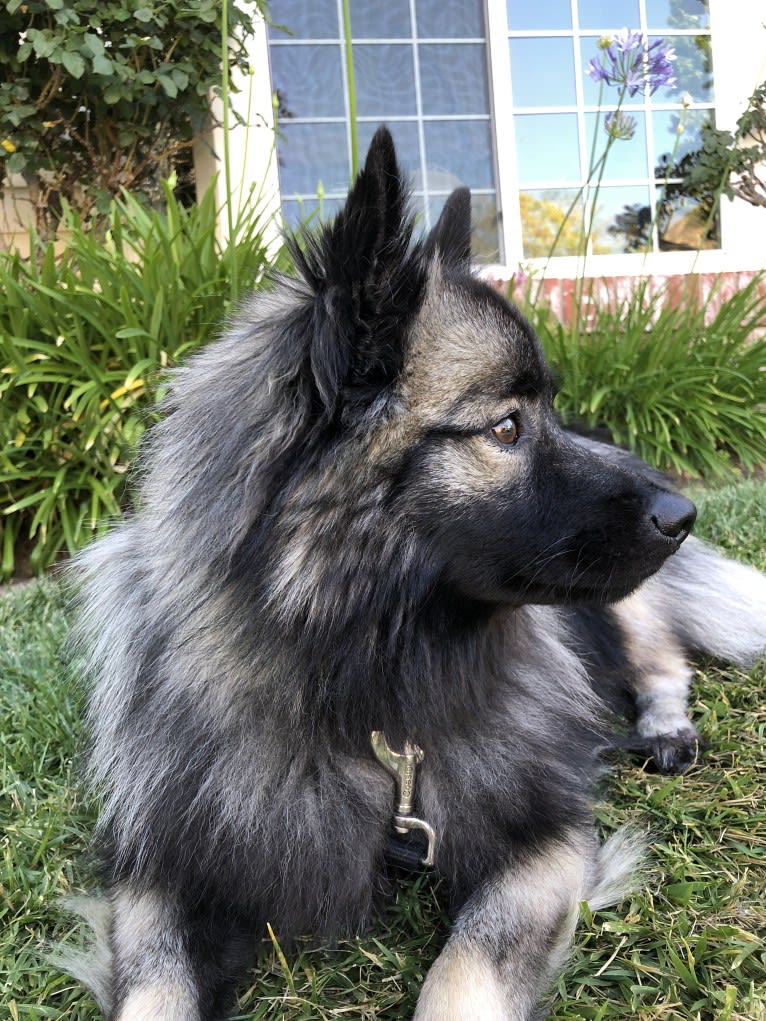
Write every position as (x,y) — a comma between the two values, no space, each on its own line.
(495,96)
(420,66)
(554,106)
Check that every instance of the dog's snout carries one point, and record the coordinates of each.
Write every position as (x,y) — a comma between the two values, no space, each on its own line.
(673,515)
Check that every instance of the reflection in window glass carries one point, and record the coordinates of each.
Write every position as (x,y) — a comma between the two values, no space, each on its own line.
(308,81)
(542,72)
(385,80)
(453,79)
(314,153)
(538,17)
(677,137)
(627,157)
(547,149)
(551,217)
(623,220)
(390,20)
(677,14)
(295,19)
(484,218)
(608,14)
(686,224)
(683,221)
(554,148)
(458,152)
(449,19)
(693,69)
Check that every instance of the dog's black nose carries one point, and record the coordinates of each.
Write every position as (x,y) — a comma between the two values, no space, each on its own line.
(672,515)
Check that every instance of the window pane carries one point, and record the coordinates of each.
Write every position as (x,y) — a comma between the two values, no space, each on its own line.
(458,152)
(406,139)
(623,220)
(450,19)
(484,218)
(542,72)
(308,81)
(627,156)
(685,224)
(315,20)
(385,80)
(548,217)
(678,13)
(308,212)
(310,153)
(418,208)
(547,148)
(484,234)
(608,14)
(591,90)
(453,78)
(537,17)
(693,69)
(371,19)
(677,136)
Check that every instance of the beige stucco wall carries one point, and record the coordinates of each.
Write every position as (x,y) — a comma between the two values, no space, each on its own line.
(16,214)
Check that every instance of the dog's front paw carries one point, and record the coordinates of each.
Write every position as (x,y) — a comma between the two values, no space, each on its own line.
(675,753)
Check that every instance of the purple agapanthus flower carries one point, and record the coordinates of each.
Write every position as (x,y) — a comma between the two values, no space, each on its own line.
(630,60)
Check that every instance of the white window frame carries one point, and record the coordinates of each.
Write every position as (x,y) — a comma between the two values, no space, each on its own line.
(738,41)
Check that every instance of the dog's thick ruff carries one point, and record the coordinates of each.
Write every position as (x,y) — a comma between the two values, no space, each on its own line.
(360,513)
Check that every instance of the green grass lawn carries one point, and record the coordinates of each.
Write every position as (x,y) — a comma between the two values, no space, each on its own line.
(689,945)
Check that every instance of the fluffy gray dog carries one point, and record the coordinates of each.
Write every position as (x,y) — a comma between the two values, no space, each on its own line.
(371,606)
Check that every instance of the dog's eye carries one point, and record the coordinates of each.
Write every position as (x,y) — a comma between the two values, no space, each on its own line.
(506,431)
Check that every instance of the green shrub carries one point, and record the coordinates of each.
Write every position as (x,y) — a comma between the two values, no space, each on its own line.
(681,392)
(100,96)
(83,339)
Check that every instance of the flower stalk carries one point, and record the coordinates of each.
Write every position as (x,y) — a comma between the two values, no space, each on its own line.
(629,61)
(350,88)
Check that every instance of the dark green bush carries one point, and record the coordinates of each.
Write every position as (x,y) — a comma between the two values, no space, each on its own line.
(100,95)
(84,337)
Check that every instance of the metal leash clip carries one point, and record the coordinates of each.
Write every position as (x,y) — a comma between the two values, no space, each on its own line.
(402,766)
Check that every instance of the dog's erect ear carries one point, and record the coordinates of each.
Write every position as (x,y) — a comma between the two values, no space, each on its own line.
(374,214)
(366,284)
(451,236)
